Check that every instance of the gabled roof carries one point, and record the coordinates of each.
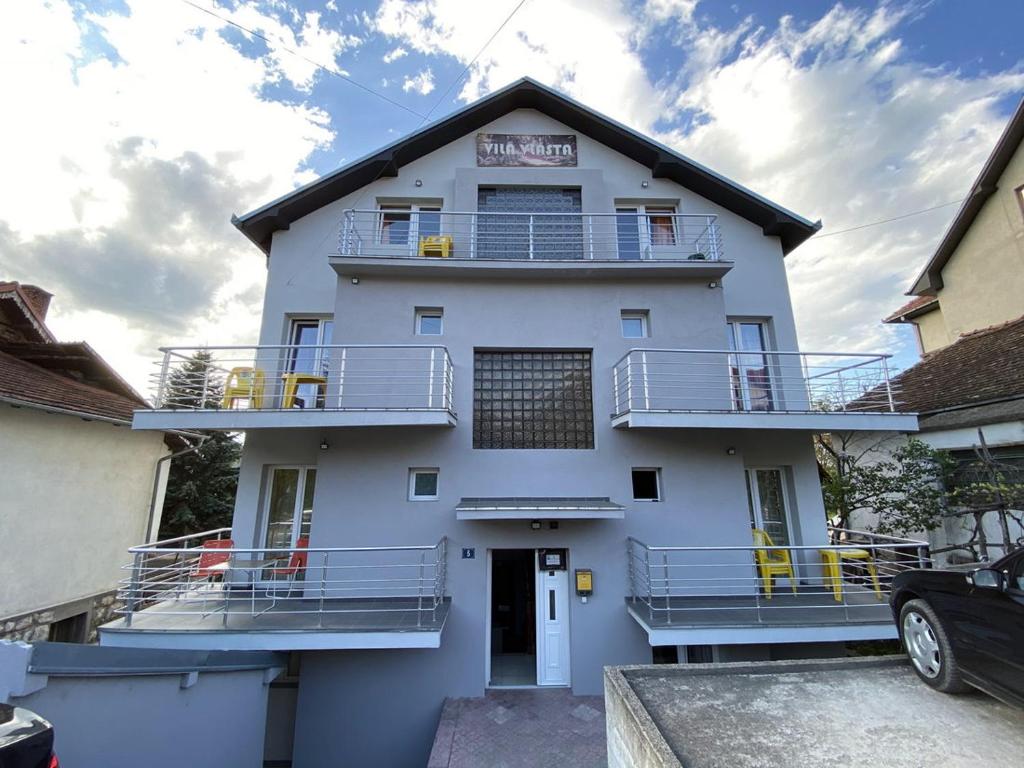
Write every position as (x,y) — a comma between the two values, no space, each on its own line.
(930,279)
(774,220)
(916,307)
(985,366)
(65,377)
(19,305)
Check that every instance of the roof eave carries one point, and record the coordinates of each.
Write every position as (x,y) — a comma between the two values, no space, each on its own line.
(260,224)
(930,278)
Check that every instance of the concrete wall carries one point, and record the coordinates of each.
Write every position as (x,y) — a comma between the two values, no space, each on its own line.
(76,495)
(634,740)
(116,707)
(983,282)
(351,703)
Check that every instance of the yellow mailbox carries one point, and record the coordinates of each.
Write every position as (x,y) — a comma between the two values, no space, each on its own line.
(584,582)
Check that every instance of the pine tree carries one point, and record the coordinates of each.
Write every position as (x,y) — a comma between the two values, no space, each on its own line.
(201,485)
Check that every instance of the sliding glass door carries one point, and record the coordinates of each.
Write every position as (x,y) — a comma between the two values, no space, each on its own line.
(766,494)
(750,367)
(289,511)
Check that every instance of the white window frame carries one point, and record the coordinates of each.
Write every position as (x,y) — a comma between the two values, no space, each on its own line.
(413,472)
(422,312)
(642,315)
(303,470)
(414,210)
(643,212)
(754,499)
(771,362)
(321,328)
(657,484)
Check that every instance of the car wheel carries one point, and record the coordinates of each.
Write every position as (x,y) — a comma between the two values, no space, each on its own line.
(927,644)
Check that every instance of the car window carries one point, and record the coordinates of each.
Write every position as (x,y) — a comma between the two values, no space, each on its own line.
(1017,574)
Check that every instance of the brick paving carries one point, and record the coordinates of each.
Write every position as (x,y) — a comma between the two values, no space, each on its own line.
(521,729)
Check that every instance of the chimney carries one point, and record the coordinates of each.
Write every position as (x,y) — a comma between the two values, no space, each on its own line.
(39,299)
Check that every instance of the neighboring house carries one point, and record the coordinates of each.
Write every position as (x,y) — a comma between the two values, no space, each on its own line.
(78,485)
(968,312)
(526,380)
(975,384)
(975,278)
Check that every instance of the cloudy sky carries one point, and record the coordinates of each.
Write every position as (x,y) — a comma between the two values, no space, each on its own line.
(133,129)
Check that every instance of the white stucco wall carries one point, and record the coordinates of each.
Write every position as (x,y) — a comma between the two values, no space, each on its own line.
(75,495)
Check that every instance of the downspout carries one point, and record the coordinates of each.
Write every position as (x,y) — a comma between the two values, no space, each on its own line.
(150,533)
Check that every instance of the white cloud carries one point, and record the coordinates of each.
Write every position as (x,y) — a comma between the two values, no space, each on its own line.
(394,55)
(582,47)
(834,121)
(422,83)
(120,177)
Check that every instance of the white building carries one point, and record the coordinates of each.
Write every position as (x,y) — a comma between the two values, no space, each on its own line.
(525,381)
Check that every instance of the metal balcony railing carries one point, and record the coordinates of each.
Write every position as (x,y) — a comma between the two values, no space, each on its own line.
(206,574)
(846,581)
(526,236)
(286,377)
(717,380)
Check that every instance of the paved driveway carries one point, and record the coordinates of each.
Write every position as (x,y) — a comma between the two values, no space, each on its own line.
(521,729)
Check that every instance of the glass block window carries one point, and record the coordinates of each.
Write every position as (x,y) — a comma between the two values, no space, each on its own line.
(528,399)
(529,227)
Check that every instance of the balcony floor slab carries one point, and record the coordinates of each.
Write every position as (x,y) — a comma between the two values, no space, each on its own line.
(810,421)
(811,615)
(542,269)
(242,419)
(288,626)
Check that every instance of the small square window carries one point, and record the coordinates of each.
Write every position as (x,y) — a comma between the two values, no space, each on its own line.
(634,325)
(429,322)
(646,484)
(423,484)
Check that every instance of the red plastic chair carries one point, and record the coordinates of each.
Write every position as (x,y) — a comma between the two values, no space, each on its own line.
(297,562)
(212,562)
(296,565)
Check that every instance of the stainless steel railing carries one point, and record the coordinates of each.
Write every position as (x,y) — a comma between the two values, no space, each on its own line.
(829,583)
(283,377)
(401,232)
(682,380)
(187,576)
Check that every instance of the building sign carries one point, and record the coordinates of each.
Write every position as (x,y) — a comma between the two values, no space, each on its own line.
(503,150)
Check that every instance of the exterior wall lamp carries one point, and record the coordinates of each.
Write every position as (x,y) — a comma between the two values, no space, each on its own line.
(535,525)
(730,451)
(645,184)
(418,182)
(324,445)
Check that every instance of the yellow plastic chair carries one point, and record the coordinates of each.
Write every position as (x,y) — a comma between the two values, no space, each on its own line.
(244,384)
(832,564)
(292,381)
(772,562)
(436,245)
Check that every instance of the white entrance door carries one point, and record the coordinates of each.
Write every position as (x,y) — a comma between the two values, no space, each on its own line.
(552,627)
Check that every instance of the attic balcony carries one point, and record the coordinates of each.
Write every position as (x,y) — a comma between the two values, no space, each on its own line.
(239,388)
(726,389)
(834,591)
(201,592)
(529,245)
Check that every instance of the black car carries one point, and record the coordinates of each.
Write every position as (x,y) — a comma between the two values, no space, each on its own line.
(26,740)
(965,626)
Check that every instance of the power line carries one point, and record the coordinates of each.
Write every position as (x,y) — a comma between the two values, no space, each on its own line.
(479,53)
(450,87)
(886,221)
(279,44)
